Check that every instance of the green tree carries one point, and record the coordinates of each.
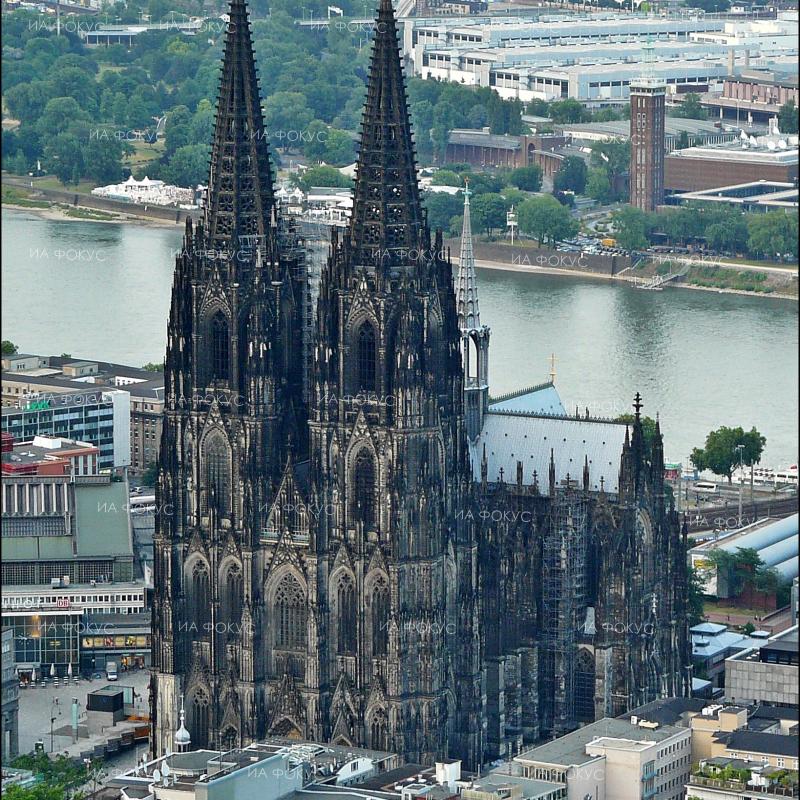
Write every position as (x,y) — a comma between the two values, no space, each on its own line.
(696,597)
(323,176)
(690,108)
(571,177)
(729,236)
(177,132)
(151,366)
(339,147)
(632,227)
(546,219)
(441,208)
(314,147)
(102,157)
(446,177)
(683,141)
(773,234)
(9,348)
(788,117)
(63,155)
(527,178)
(188,166)
(567,111)
(150,475)
(598,186)
(648,428)
(287,117)
(721,455)
(488,213)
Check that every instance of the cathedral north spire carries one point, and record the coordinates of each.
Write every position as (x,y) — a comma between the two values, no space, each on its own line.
(387,218)
(240,192)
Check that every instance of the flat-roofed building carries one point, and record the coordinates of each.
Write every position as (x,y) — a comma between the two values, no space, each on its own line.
(773,157)
(760,195)
(767,674)
(624,759)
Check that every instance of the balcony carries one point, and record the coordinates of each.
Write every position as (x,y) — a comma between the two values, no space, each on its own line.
(741,786)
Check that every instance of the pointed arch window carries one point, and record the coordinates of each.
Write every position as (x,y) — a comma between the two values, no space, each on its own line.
(366,357)
(346,606)
(198,719)
(584,687)
(232,590)
(198,606)
(290,615)
(217,473)
(378,734)
(363,501)
(220,347)
(380,620)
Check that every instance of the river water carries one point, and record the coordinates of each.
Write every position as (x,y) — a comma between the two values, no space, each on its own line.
(701,359)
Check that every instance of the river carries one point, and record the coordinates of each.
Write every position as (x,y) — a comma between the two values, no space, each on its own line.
(701,359)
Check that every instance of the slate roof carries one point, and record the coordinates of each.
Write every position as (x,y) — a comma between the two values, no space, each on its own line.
(667,711)
(510,437)
(541,399)
(775,744)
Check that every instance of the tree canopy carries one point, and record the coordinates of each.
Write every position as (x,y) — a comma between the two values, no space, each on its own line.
(721,454)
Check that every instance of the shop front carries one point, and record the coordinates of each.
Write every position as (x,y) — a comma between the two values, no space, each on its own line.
(121,638)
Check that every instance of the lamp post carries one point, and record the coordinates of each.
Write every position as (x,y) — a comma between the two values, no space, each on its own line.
(739,449)
(53,718)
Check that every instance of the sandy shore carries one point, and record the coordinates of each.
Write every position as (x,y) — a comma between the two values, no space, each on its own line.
(59,213)
(574,273)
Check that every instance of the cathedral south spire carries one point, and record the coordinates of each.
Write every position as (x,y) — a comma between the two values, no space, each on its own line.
(387,218)
(469,315)
(240,192)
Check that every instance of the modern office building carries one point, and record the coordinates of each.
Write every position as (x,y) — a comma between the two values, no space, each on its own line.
(767,674)
(98,417)
(32,380)
(67,555)
(624,759)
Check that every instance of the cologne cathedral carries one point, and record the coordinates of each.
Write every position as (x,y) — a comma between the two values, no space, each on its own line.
(355,543)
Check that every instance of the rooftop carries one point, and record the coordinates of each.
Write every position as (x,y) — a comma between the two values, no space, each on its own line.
(570,750)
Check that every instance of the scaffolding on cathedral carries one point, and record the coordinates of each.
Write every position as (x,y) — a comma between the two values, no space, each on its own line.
(563,604)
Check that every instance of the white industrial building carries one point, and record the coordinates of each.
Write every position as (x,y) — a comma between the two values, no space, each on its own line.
(775,542)
(594,59)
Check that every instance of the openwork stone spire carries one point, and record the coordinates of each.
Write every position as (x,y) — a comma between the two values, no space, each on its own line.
(387,215)
(469,315)
(240,193)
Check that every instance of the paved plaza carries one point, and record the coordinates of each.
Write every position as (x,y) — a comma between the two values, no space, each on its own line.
(37,705)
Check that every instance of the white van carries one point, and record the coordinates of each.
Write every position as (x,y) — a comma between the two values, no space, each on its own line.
(111,670)
(705,486)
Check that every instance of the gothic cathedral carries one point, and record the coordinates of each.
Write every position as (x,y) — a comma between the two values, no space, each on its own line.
(354,542)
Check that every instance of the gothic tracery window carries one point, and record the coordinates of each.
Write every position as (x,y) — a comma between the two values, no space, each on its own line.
(363,499)
(380,619)
(218,472)
(290,615)
(199,589)
(231,595)
(198,719)
(346,607)
(220,347)
(366,355)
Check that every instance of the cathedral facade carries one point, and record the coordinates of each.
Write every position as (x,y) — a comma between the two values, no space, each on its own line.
(356,544)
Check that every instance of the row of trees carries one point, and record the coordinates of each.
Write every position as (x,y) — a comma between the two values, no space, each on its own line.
(723,229)
(314,79)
